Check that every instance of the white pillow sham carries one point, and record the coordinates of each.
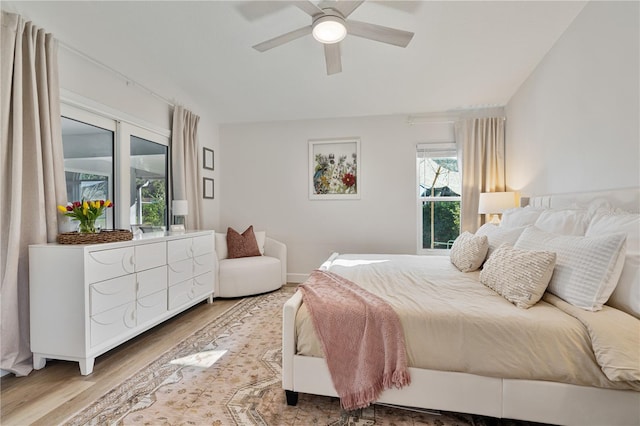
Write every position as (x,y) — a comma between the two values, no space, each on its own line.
(520,216)
(565,222)
(469,251)
(498,235)
(626,296)
(587,268)
(520,276)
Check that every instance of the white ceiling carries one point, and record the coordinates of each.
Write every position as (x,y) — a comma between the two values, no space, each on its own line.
(463,54)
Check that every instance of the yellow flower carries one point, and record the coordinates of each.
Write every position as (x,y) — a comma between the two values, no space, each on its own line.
(85,205)
(96,204)
(62,209)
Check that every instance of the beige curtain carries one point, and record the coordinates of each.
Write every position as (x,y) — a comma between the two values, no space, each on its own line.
(480,143)
(32,170)
(185,167)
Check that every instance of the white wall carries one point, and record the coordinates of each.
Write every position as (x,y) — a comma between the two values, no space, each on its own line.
(78,76)
(574,124)
(265,175)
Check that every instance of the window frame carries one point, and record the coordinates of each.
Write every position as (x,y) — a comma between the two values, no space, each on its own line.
(124,126)
(436,149)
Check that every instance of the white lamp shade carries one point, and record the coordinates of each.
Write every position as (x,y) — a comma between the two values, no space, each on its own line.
(180,208)
(496,202)
(329,29)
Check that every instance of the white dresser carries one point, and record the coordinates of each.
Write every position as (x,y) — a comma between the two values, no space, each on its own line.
(87,299)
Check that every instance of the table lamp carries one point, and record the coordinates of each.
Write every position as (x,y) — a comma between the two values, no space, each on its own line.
(494,203)
(179,209)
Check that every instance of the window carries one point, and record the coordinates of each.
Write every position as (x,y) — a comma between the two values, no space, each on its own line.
(149,178)
(88,163)
(106,158)
(439,189)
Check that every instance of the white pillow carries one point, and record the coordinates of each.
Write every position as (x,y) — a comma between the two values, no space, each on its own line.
(626,296)
(221,243)
(469,251)
(520,216)
(520,276)
(499,235)
(587,268)
(565,222)
(260,239)
(221,246)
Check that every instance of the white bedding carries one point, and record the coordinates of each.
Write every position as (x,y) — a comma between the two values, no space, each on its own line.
(468,327)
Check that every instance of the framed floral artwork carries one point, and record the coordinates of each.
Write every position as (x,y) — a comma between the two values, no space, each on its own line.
(334,167)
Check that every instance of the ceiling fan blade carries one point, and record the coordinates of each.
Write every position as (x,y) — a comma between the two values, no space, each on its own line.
(346,7)
(379,33)
(308,7)
(332,58)
(282,39)
(256,9)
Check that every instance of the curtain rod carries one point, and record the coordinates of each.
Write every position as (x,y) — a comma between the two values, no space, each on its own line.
(128,80)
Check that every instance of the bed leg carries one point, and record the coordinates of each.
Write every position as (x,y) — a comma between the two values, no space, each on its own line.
(292,397)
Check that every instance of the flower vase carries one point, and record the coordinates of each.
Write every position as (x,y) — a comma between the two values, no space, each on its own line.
(88,226)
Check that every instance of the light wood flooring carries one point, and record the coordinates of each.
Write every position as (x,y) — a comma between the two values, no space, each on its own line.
(52,395)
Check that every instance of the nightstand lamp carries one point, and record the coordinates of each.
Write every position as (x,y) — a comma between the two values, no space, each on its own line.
(494,203)
(179,209)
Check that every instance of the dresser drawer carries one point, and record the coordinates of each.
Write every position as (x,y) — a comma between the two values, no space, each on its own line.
(180,271)
(105,264)
(203,264)
(189,290)
(181,293)
(202,245)
(150,255)
(203,284)
(151,281)
(108,294)
(151,307)
(178,250)
(112,323)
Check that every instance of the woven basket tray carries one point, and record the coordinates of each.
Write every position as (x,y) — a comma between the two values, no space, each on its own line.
(104,236)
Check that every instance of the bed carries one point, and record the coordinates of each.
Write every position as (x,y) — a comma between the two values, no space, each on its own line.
(557,369)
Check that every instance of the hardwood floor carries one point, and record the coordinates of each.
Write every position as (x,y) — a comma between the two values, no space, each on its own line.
(52,395)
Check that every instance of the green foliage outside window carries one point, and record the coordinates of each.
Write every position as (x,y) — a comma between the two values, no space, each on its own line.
(153,203)
(446,223)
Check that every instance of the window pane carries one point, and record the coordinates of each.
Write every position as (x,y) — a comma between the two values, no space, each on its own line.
(440,173)
(148,183)
(440,224)
(88,165)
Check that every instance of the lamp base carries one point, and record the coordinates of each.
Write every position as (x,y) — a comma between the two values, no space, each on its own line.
(495,219)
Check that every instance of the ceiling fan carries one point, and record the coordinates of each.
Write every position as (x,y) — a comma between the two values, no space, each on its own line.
(329,25)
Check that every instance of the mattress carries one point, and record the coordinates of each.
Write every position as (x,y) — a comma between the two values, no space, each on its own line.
(454,323)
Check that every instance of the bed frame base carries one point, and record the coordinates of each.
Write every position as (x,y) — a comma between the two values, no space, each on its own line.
(544,402)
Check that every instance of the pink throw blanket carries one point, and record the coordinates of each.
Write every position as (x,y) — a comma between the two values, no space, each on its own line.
(361,337)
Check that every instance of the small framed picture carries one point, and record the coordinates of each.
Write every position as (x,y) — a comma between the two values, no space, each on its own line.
(207,158)
(207,188)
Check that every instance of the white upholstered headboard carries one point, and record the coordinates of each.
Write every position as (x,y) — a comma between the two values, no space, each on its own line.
(627,199)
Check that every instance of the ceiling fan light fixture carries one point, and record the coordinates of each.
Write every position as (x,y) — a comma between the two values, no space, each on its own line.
(329,29)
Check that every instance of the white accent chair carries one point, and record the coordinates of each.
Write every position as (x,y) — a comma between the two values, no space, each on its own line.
(247,276)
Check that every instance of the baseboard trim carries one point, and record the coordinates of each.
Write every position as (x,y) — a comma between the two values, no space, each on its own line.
(297,278)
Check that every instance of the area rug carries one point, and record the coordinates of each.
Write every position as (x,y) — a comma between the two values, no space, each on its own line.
(229,373)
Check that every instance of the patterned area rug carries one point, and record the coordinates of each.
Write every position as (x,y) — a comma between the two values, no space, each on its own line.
(229,373)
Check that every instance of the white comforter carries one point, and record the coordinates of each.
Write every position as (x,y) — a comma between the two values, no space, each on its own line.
(454,323)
